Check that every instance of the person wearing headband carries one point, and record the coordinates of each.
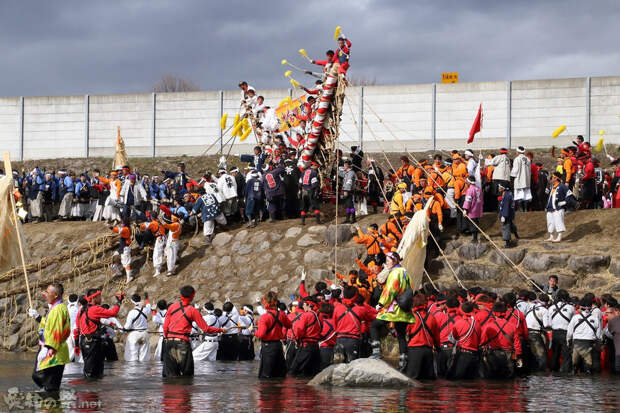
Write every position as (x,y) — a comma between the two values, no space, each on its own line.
(207,349)
(246,342)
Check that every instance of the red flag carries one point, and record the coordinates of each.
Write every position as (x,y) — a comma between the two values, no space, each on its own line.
(475,128)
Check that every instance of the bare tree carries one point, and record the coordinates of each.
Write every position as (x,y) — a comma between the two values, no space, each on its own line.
(362,81)
(172,83)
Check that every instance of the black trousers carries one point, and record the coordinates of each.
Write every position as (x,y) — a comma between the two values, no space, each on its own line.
(291,352)
(559,347)
(272,363)
(420,363)
(228,349)
(292,205)
(349,347)
(307,360)
(498,364)
(464,366)
(109,349)
(49,379)
(327,357)
(178,358)
(378,330)
(443,358)
(246,348)
(92,353)
(310,201)
(365,348)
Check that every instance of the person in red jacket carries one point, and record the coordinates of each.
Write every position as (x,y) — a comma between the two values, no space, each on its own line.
(177,350)
(465,333)
(296,311)
(348,319)
(329,57)
(307,332)
(423,338)
(270,331)
(483,313)
(328,334)
(589,184)
(446,319)
(501,343)
(342,54)
(89,331)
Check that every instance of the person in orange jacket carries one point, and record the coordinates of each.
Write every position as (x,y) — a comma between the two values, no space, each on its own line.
(406,171)
(434,212)
(371,241)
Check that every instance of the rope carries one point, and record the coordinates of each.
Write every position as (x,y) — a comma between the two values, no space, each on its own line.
(528,279)
(447,261)
(430,279)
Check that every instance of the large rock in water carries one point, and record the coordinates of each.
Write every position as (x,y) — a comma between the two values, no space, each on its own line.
(362,373)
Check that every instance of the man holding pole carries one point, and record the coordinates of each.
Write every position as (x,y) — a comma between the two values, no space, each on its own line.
(53,333)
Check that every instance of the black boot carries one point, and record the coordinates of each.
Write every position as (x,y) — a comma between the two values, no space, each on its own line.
(303,220)
(348,218)
(374,209)
(318,218)
(352,217)
(376,350)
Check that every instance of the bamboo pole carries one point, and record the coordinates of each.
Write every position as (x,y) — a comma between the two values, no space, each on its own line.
(8,169)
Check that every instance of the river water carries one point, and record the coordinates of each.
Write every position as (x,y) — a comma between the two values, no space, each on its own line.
(234,387)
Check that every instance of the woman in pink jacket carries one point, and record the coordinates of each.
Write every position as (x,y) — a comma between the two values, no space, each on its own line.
(472,207)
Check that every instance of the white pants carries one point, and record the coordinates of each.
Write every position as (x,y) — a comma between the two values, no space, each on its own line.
(36,206)
(523,194)
(555,221)
(71,346)
(158,252)
(194,342)
(98,214)
(207,350)
(172,249)
(451,202)
(137,347)
(80,210)
(160,343)
(209,226)
(126,258)
(65,205)
(110,211)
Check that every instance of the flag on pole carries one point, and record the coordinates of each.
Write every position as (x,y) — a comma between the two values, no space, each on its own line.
(475,128)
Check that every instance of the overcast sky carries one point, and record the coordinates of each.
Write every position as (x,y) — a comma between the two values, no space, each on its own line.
(77,47)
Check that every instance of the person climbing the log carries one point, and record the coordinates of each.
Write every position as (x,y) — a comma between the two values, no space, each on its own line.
(54,330)
(122,255)
(310,192)
(175,229)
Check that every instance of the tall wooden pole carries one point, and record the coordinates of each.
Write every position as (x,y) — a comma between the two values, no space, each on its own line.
(8,169)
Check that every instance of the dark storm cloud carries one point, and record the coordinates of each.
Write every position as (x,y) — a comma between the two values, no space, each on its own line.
(76,47)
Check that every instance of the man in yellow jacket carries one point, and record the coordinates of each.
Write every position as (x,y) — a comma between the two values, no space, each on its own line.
(397,207)
(53,333)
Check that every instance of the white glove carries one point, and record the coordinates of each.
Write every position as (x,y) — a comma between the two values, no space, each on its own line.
(440,227)
(562,203)
(502,219)
(479,156)
(519,363)
(33,313)
(303,275)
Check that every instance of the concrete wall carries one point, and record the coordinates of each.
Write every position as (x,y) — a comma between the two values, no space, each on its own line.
(390,118)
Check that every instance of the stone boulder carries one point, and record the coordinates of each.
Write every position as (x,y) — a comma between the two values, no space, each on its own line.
(614,268)
(514,255)
(472,271)
(292,232)
(472,251)
(11,343)
(341,233)
(222,239)
(362,373)
(537,261)
(316,258)
(452,246)
(317,229)
(346,255)
(588,263)
(307,240)
(275,236)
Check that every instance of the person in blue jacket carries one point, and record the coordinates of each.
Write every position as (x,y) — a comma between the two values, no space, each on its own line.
(49,188)
(556,207)
(82,196)
(273,182)
(257,160)
(66,194)
(254,196)
(35,196)
(507,215)
(209,207)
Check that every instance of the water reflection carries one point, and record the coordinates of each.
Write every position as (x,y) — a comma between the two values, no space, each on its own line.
(233,387)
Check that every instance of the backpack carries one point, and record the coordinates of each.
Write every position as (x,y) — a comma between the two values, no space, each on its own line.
(405,299)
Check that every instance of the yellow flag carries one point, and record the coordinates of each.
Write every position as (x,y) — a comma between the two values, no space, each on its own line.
(602,132)
(599,145)
(294,83)
(303,52)
(288,73)
(223,121)
(245,134)
(237,129)
(284,61)
(337,32)
(558,131)
(236,120)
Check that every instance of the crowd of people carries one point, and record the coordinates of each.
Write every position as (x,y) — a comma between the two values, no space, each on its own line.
(454,333)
